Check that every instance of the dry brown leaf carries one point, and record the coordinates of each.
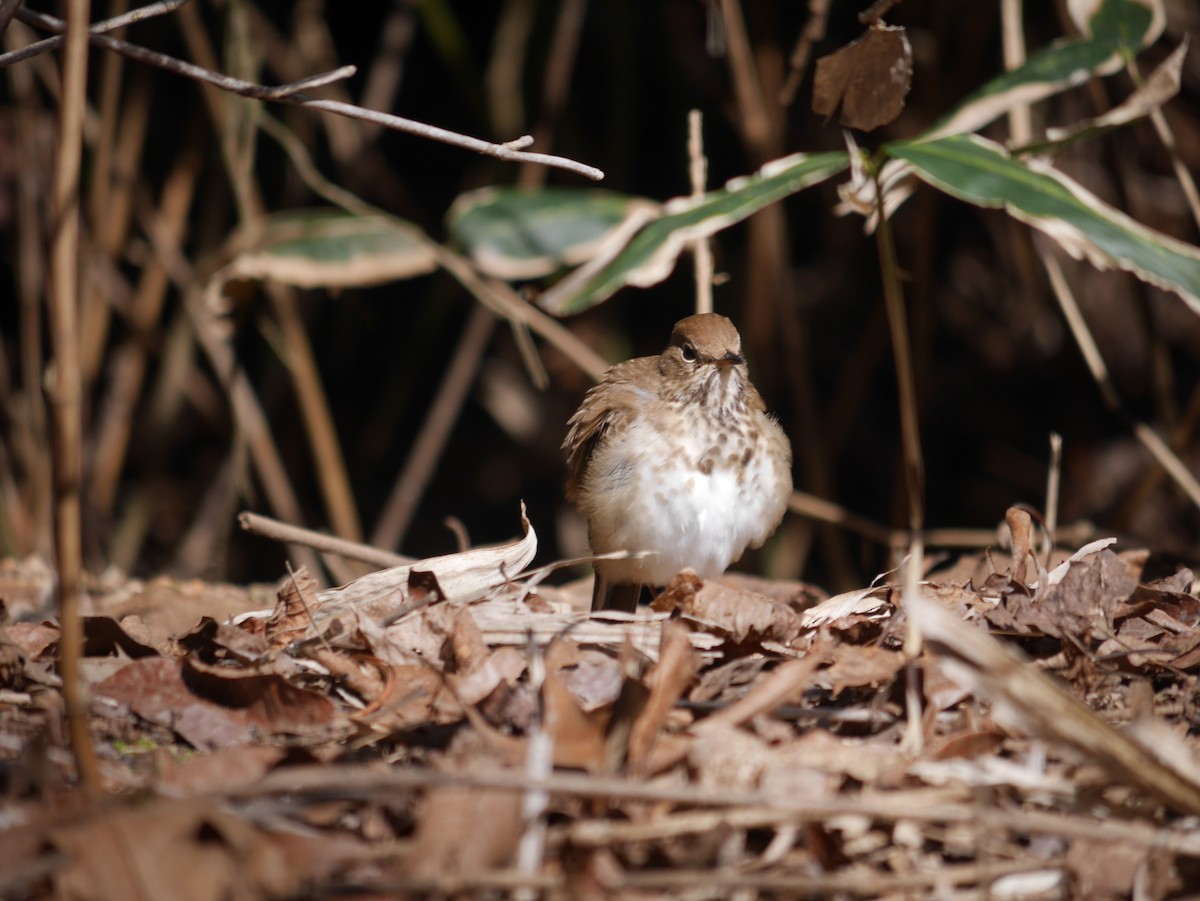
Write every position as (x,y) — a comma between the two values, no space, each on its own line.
(215,710)
(743,617)
(729,757)
(1020,528)
(170,849)
(419,697)
(868,79)
(592,676)
(502,667)
(578,739)
(421,636)
(34,639)
(225,769)
(1084,601)
(868,762)
(463,577)
(294,601)
(215,642)
(677,665)
(855,666)
(785,682)
(852,608)
(462,830)
(1022,692)
(1103,869)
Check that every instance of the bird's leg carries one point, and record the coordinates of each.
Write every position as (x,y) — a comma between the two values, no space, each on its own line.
(621,596)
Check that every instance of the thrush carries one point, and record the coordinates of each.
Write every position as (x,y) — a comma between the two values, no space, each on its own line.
(674,460)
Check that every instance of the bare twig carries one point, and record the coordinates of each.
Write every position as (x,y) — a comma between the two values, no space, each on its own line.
(1020,121)
(511,151)
(496,296)
(63,389)
(49,44)
(1053,479)
(914,464)
(256,524)
(701,250)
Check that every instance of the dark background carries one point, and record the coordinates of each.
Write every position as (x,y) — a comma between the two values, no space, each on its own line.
(997,368)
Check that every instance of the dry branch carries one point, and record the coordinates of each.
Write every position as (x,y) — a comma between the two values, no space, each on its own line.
(512,151)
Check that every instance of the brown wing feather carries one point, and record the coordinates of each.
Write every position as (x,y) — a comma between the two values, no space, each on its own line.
(610,403)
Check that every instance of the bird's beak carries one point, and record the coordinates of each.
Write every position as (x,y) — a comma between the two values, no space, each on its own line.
(730,359)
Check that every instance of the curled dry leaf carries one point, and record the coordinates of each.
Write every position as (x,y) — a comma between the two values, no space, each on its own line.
(742,616)
(462,578)
(868,79)
(214,709)
(296,597)
(843,611)
(1020,527)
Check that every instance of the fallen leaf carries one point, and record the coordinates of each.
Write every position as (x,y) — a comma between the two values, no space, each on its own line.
(856,666)
(170,849)
(578,739)
(743,617)
(211,711)
(677,665)
(294,601)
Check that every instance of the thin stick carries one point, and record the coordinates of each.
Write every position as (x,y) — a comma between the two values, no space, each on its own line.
(496,296)
(1053,479)
(512,151)
(49,44)
(63,389)
(1150,439)
(257,524)
(318,782)
(914,465)
(821,510)
(443,413)
(1020,122)
(701,250)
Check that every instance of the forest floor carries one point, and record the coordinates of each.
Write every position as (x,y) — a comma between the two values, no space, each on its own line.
(1007,730)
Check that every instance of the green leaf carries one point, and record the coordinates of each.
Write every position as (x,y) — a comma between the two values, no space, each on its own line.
(513,234)
(650,255)
(313,248)
(982,173)
(1118,28)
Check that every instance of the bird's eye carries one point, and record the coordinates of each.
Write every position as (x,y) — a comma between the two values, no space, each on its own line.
(689,353)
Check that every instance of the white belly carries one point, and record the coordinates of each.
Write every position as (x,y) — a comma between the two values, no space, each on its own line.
(680,516)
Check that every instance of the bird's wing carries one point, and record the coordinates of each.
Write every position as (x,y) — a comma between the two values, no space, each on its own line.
(611,403)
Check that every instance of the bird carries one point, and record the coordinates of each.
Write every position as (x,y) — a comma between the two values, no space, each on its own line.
(674,460)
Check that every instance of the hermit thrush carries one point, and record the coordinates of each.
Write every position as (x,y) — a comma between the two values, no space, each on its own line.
(675,457)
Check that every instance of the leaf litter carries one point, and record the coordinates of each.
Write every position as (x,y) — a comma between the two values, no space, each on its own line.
(460,732)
